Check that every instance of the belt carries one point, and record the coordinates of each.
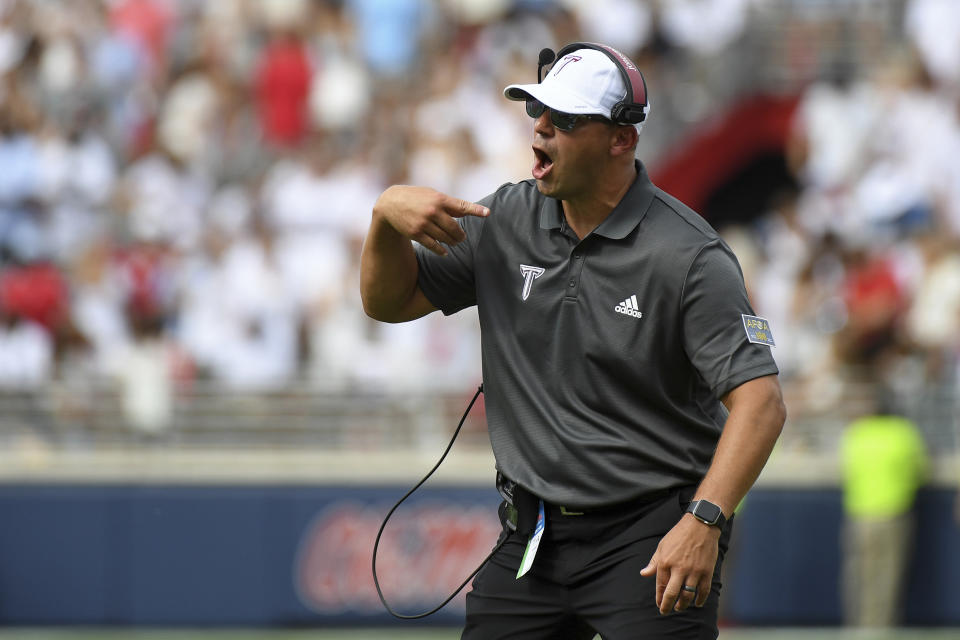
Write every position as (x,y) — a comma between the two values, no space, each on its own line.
(517,499)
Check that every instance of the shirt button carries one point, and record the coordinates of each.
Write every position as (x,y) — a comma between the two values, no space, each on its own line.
(576,256)
(573,283)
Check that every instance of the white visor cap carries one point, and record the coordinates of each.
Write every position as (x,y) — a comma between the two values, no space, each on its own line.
(584,82)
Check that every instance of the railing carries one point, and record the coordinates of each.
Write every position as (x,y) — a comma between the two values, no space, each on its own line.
(69,430)
(92,414)
(303,415)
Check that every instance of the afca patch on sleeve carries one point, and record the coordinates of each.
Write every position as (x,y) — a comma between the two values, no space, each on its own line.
(758,330)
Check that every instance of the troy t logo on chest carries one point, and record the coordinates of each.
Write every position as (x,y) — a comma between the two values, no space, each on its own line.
(529,275)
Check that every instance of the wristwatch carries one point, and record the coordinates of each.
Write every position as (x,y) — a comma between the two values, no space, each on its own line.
(707,513)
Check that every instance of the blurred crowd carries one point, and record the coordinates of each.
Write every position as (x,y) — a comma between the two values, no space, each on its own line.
(184,185)
(858,263)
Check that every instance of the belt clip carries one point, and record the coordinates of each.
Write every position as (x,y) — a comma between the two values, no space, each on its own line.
(563,511)
(512,517)
(505,487)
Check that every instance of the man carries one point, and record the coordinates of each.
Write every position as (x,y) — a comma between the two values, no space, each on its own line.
(884,464)
(618,345)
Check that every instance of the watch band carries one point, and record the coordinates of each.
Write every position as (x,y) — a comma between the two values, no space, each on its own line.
(707,513)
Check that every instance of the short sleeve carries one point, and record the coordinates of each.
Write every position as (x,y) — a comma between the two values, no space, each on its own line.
(720,334)
(448,281)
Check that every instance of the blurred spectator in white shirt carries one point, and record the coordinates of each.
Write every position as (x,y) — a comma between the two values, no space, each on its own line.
(312,204)
(934,317)
(97,304)
(705,27)
(622,24)
(934,29)
(26,353)
(238,317)
(145,370)
(77,178)
(188,117)
(165,200)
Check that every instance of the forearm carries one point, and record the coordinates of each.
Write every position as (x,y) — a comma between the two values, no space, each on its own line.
(686,556)
(388,265)
(388,272)
(756,419)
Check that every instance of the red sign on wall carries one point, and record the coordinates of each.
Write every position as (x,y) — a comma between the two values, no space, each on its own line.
(426,551)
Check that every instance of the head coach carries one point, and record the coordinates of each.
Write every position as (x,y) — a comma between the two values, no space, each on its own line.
(632,398)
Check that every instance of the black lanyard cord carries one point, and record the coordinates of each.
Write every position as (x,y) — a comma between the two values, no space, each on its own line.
(383,525)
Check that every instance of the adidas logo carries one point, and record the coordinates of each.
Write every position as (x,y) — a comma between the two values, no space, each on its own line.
(629,307)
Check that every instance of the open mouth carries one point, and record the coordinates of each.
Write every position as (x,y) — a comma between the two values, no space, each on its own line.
(542,163)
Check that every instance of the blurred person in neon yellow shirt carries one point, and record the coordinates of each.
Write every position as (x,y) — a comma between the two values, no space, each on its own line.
(884,463)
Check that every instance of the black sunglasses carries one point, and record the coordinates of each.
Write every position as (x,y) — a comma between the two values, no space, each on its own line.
(559,119)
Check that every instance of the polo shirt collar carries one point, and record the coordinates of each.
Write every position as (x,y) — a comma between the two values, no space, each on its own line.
(622,220)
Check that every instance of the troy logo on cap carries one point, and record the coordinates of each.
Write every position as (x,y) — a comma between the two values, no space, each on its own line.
(567,59)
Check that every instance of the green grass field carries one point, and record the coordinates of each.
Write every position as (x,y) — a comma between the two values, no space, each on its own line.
(394,633)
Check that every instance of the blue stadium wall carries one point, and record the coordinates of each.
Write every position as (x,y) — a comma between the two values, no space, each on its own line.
(299,556)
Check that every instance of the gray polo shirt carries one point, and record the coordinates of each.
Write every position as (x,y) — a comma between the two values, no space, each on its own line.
(604,358)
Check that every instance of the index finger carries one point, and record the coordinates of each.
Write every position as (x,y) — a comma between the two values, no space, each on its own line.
(457,207)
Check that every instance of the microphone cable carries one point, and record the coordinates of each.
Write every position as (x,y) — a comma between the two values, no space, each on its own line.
(383,525)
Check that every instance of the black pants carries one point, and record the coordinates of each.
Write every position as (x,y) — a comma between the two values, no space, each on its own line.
(586,580)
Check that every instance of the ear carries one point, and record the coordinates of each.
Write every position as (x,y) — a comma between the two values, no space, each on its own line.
(624,140)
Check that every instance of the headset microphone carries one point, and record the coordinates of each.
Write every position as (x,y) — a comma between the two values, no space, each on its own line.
(546,57)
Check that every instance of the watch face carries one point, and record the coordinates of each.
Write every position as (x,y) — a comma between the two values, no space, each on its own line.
(707,511)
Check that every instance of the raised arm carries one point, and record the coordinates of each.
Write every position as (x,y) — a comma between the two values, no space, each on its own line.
(388,266)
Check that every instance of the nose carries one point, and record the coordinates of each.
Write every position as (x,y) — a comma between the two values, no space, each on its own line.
(542,125)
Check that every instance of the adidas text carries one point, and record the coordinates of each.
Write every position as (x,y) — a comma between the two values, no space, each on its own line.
(629,307)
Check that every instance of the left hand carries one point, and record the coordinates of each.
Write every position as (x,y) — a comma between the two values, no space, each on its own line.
(687,555)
